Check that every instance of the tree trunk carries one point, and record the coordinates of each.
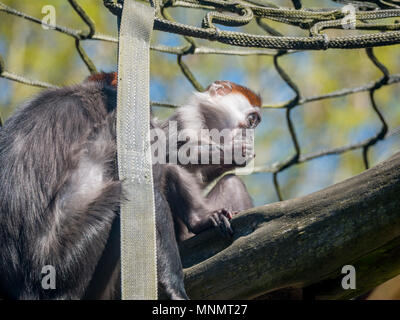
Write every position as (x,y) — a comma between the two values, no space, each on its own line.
(304,242)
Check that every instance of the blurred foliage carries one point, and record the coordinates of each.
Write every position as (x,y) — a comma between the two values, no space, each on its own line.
(46,55)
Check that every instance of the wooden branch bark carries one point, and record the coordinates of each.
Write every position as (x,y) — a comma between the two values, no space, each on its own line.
(372,270)
(304,241)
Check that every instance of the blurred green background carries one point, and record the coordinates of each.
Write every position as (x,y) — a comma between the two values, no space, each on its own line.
(31,51)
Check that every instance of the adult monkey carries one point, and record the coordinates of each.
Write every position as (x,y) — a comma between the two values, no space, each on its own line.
(60,193)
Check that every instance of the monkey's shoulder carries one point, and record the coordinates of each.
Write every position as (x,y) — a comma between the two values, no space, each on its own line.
(89,102)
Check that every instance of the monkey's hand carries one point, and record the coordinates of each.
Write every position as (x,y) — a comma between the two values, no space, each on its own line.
(215,218)
(220,218)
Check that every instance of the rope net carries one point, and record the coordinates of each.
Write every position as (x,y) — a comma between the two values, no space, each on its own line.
(376,19)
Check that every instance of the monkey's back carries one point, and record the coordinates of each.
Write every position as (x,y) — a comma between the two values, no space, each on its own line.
(57,159)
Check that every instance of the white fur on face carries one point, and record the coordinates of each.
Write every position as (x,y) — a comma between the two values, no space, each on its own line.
(234,106)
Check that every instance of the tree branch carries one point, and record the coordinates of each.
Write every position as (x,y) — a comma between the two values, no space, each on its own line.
(300,242)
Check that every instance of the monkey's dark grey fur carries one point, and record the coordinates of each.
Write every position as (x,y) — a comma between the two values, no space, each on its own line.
(60,195)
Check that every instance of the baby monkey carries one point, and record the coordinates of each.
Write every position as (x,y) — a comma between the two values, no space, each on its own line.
(222,112)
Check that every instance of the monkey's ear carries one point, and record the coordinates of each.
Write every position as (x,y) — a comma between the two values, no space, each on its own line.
(220,88)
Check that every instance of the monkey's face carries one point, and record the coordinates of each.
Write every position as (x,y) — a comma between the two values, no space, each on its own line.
(227,105)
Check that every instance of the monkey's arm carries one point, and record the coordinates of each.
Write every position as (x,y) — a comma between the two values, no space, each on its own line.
(189,205)
(215,159)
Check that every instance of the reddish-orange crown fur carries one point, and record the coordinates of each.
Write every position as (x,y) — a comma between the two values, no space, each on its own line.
(225,87)
(111,78)
(254,99)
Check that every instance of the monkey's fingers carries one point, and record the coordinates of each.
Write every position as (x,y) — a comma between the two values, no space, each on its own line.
(226,213)
(226,227)
(221,220)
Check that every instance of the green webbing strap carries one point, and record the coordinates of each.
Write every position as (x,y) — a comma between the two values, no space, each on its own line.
(138,235)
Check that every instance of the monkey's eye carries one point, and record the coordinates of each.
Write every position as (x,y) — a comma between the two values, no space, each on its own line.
(253,119)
